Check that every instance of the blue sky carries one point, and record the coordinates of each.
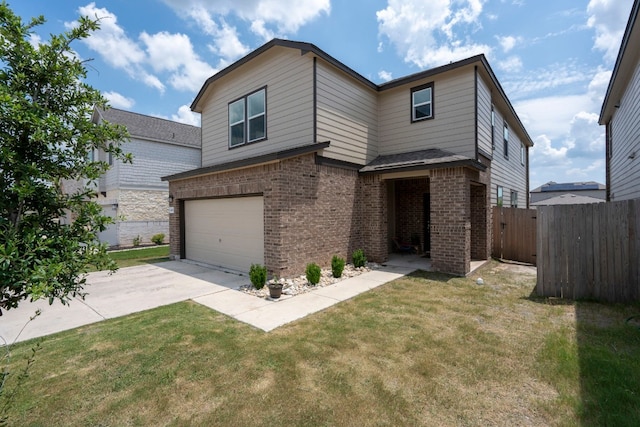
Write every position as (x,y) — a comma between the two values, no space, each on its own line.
(553,58)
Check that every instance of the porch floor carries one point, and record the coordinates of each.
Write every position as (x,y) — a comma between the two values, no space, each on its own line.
(421,263)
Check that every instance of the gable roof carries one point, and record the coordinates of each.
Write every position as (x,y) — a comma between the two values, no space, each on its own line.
(151,128)
(628,56)
(478,60)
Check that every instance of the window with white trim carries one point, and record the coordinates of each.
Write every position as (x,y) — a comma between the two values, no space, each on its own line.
(505,137)
(248,119)
(499,196)
(422,102)
(523,156)
(493,127)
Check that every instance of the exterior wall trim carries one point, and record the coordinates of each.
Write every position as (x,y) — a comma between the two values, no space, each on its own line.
(252,161)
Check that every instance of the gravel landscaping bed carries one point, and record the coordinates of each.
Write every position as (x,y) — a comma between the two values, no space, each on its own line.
(299,285)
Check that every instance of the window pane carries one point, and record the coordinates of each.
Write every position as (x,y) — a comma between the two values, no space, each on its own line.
(500,200)
(255,103)
(236,112)
(422,111)
(236,134)
(422,96)
(256,128)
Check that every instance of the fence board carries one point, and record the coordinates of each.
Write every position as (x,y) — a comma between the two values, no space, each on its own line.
(514,234)
(589,251)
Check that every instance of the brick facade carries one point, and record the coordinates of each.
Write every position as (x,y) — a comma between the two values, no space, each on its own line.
(312,212)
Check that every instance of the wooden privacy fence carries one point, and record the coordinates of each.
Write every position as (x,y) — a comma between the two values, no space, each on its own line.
(589,251)
(514,234)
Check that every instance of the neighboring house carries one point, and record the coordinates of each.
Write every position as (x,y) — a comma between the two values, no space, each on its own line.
(304,158)
(133,193)
(553,193)
(620,114)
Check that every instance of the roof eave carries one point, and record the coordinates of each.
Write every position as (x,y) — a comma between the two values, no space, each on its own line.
(609,102)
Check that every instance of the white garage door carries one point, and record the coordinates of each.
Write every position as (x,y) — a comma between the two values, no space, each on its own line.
(225,232)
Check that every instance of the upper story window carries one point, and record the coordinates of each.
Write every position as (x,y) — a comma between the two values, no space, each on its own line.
(493,127)
(247,119)
(422,102)
(505,137)
(522,154)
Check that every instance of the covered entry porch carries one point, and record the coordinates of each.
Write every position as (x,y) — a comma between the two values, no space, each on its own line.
(440,206)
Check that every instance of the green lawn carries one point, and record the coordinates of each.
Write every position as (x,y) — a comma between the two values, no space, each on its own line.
(151,255)
(424,350)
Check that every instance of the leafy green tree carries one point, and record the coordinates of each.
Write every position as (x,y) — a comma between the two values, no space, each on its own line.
(46,135)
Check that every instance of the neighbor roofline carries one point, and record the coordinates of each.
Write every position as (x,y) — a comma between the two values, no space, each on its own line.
(252,161)
(623,47)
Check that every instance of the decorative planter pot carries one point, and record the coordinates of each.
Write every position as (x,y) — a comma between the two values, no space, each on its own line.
(275,290)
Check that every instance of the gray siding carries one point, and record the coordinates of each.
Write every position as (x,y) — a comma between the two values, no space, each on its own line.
(625,128)
(509,172)
(152,160)
(347,115)
(453,126)
(484,116)
(288,77)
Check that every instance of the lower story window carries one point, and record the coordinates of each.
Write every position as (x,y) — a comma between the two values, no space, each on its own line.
(500,200)
(514,199)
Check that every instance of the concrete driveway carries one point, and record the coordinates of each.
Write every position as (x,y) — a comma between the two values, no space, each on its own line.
(135,289)
(129,290)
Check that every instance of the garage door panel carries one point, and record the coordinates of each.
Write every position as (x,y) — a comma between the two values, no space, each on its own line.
(225,232)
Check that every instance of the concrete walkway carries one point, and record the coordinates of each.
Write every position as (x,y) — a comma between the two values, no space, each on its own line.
(135,289)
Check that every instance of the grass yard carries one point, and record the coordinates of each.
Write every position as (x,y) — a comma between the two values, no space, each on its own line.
(423,350)
(131,257)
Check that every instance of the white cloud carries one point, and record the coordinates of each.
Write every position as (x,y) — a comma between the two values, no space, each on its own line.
(586,138)
(587,170)
(425,32)
(267,17)
(551,77)
(508,42)
(185,115)
(118,100)
(512,64)
(544,154)
(385,75)
(115,47)
(608,18)
(174,53)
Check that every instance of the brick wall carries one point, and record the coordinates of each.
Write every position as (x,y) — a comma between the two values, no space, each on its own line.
(450,221)
(373,217)
(309,210)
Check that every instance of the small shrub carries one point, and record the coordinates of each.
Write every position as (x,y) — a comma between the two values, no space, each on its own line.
(258,275)
(313,273)
(158,239)
(337,266)
(137,240)
(359,260)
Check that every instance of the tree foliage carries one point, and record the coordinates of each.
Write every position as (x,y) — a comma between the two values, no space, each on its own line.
(46,135)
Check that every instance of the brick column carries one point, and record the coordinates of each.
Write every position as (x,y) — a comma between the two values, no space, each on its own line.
(373,211)
(450,221)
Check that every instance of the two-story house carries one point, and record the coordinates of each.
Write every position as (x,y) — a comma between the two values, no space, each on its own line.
(620,114)
(133,193)
(304,158)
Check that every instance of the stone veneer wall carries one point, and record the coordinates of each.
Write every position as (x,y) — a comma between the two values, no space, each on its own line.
(144,213)
(310,211)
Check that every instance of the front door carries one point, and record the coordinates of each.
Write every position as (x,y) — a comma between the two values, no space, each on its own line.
(426,203)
